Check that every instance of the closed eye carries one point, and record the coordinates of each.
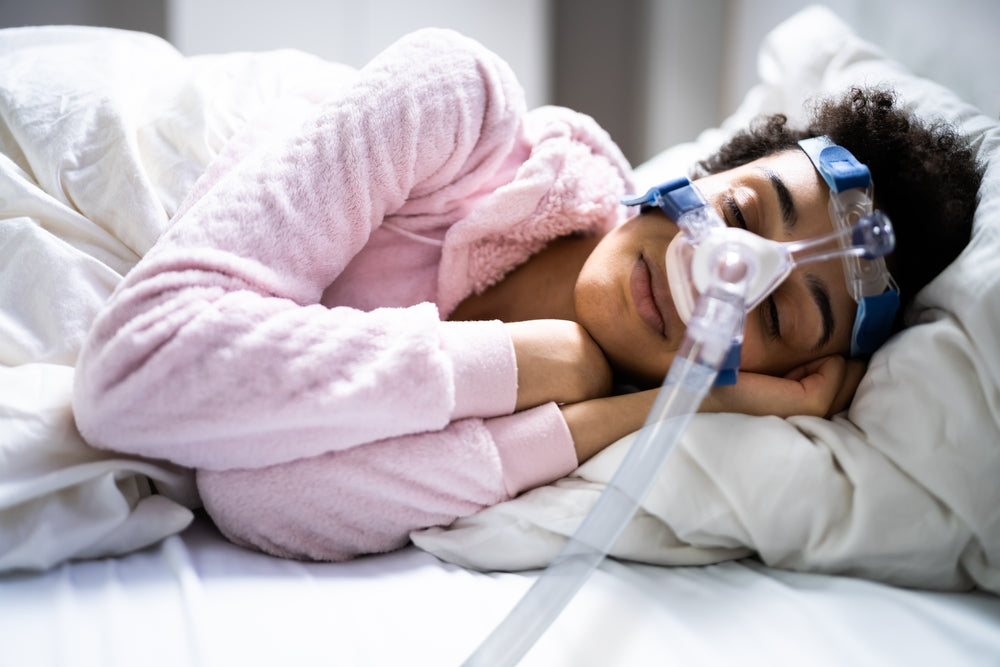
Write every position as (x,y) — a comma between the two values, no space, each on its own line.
(770,316)
(772,320)
(730,203)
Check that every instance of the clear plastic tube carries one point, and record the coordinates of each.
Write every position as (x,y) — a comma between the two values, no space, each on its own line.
(687,384)
(718,321)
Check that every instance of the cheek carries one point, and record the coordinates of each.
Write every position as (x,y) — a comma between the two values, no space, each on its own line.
(593,291)
(600,302)
(762,355)
(602,308)
(598,291)
(758,356)
(603,300)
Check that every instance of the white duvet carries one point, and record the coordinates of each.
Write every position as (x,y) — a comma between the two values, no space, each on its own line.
(103,132)
(903,488)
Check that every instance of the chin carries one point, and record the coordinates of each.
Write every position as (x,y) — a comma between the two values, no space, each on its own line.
(638,357)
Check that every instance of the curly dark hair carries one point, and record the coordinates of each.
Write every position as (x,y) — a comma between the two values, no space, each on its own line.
(926,176)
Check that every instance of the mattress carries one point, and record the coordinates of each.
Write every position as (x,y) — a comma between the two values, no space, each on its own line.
(195,599)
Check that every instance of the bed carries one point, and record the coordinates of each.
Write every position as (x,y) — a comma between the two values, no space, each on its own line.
(886,549)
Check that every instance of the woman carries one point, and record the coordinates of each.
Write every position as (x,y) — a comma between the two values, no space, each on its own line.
(415,304)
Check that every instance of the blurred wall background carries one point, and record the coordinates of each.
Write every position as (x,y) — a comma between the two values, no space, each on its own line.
(652,72)
(127,14)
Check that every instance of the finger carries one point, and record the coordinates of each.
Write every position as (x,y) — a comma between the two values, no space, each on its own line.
(808,368)
(810,390)
(854,370)
(821,384)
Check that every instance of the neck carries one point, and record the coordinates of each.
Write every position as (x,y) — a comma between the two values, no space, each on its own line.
(541,288)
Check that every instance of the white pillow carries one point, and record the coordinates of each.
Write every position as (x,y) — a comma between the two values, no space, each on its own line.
(903,488)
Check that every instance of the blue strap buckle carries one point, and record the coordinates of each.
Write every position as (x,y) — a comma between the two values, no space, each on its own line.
(730,366)
(675,197)
(838,167)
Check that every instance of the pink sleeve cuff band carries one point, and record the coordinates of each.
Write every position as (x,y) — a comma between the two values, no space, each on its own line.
(485,368)
(535,447)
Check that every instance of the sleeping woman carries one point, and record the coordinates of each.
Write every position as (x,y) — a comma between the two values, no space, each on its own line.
(416,303)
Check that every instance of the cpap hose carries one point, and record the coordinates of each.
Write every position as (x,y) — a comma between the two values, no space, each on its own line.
(718,321)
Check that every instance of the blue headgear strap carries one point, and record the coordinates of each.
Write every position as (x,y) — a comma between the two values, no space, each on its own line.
(876,312)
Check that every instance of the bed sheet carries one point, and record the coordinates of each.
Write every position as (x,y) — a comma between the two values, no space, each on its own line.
(196,599)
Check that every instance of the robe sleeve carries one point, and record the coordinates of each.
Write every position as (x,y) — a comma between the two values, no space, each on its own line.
(370,498)
(215,352)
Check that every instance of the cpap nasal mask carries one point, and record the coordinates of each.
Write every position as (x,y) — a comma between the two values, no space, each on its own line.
(861,237)
(717,274)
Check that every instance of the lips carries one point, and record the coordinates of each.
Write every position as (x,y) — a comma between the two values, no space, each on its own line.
(650,296)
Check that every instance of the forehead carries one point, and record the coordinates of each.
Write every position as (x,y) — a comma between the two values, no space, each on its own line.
(792,171)
(795,170)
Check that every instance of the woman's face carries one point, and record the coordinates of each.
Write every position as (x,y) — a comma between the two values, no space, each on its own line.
(623,300)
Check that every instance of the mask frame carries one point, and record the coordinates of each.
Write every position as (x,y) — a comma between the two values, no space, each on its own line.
(868,279)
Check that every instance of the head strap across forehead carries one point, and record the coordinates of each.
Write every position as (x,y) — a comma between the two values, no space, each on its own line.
(868,280)
(838,167)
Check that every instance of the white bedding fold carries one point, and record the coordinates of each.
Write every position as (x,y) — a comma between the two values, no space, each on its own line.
(102,134)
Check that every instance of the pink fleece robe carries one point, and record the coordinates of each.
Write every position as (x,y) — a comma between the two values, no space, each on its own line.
(286,336)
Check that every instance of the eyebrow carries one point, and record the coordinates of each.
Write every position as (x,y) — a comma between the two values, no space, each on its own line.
(789,213)
(821,296)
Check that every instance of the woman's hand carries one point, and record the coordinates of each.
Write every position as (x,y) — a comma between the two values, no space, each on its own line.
(558,361)
(821,388)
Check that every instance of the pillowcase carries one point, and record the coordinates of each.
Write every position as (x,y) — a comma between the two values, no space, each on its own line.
(902,487)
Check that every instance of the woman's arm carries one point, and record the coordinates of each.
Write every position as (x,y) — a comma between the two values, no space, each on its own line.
(557,361)
(368,499)
(822,388)
(214,352)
